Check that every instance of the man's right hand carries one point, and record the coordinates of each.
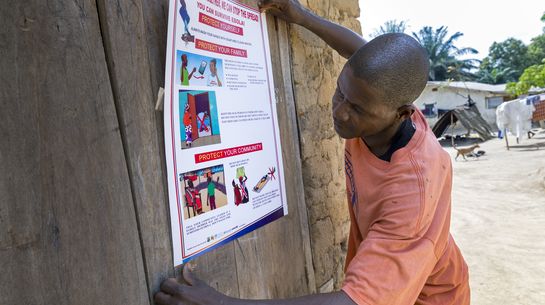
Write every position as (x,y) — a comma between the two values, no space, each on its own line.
(289,10)
(343,40)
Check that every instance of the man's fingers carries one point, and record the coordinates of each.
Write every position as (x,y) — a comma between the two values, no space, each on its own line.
(172,287)
(162,298)
(188,274)
(268,6)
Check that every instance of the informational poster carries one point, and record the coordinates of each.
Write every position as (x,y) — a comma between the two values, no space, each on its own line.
(225,171)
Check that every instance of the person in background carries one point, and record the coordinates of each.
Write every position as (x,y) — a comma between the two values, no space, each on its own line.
(213,77)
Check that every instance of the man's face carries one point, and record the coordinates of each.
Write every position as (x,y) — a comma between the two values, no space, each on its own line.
(213,67)
(358,110)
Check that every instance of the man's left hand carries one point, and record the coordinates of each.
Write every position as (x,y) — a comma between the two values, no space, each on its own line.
(195,292)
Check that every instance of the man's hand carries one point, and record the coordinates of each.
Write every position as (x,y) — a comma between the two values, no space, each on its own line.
(289,10)
(195,292)
(343,40)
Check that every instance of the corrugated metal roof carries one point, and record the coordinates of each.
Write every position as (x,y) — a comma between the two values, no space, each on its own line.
(499,89)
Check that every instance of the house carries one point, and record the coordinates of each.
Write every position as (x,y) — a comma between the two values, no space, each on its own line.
(440,97)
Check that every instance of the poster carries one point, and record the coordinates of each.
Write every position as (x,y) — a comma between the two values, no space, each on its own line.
(224,162)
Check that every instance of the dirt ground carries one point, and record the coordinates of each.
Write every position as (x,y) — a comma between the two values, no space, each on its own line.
(498,221)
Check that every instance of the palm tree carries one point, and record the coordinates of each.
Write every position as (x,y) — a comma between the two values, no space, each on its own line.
(494,76)
(444,55)
(390,26)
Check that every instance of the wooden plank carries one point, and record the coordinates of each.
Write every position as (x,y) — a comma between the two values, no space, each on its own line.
(132,45)
(275,261)
(68,233)
(124,33)
(290,137)
(218,268)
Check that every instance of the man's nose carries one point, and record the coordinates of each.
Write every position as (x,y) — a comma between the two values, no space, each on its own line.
(339,111)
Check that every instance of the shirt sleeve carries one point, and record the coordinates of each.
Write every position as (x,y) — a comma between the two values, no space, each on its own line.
(389,269)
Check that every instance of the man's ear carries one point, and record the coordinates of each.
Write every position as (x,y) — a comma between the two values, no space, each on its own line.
(406,111)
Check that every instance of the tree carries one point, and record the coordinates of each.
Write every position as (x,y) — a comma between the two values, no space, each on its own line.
(533,76)
(536,49)
(492,75)
(444,55)
(390,26)
(543,19)
(510,56)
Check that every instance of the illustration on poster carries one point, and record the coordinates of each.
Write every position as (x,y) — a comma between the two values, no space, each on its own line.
(264,180)
(239,187)
(204,185)
(199,125)
(187,37)
(205,71)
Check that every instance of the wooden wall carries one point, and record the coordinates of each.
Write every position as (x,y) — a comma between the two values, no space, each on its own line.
(83,196)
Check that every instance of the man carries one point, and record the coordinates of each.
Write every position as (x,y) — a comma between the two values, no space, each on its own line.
(211,194)
(185,76)
(398,180)
(213,77)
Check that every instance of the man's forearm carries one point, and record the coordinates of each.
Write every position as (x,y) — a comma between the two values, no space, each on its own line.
(334,298)
(341,39)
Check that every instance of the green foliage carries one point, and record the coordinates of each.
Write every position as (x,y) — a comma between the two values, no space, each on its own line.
(390,26)
(444,55)
(507,60)
(536,49)
(491,75)
(533,76)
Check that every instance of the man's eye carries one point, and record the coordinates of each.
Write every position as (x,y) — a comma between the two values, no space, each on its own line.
(356,108)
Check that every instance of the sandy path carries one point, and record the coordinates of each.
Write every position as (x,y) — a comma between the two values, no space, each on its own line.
(498,220)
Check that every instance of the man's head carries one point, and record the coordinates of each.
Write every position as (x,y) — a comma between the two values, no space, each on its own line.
(378,84)
(213,66)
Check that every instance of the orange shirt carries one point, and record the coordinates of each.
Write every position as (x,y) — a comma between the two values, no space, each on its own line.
(400,250)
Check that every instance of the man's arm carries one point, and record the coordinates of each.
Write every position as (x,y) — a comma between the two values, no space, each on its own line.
(191,74)
(196,292)
(342,39)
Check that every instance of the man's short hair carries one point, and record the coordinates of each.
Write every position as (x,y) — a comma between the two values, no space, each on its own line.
(395,64)
(213,60)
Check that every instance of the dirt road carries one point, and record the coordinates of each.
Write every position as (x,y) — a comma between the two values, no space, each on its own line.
(498,220)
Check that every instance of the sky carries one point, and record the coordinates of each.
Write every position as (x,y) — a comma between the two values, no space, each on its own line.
(481,21)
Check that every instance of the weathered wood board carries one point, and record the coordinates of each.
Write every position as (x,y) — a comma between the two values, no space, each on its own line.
(68,231)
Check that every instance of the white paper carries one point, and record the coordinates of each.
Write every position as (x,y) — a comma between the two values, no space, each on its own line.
(221,126)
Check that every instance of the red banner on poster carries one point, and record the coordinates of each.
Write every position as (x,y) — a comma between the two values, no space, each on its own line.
(229,152)
(224,26)
(216,48)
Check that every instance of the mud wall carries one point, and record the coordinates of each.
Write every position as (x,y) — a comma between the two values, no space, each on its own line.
(315,70)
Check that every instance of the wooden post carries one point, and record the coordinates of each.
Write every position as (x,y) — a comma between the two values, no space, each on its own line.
(506,140)
(451,123)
